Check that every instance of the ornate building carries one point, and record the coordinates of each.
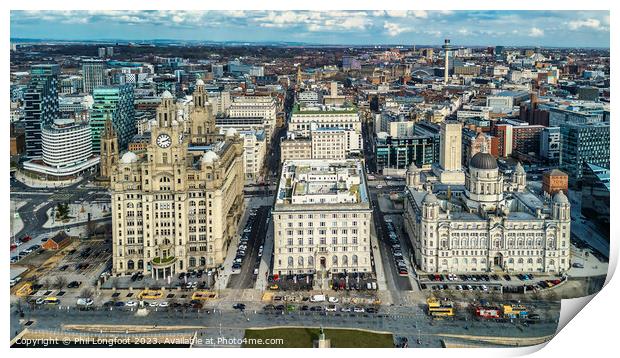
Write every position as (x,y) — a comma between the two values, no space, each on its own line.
(176,206)
(109,150)
(489,224)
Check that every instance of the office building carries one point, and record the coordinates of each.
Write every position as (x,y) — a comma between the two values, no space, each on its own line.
(322,218)
(595,195)
(40,105)
(67,150)
(93,75)
(118,102)
(175,208)
(478,227)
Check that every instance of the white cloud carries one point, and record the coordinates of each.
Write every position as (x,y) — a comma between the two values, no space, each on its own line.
(394,29)
(589,23)
(536,32)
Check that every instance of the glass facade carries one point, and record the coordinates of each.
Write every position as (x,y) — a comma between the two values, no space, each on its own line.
(398,153)
(40,105)
(117,102)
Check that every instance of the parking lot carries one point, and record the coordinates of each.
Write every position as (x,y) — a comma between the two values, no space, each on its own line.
(504,283)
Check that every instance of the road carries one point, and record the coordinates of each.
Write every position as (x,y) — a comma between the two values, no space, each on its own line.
(408,321)
(246,278)
(396,282)
(47,198)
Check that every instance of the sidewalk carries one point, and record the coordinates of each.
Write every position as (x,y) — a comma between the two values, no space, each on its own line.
(224,274)
(376,251)
(265,262)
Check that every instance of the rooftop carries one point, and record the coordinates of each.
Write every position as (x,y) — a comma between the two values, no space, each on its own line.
(316,184)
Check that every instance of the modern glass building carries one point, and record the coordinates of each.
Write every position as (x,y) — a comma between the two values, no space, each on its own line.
(117,102)
(40,105)
(595,195)
(399,153)
(585,135)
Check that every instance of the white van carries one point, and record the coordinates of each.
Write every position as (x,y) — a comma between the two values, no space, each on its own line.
(318,298)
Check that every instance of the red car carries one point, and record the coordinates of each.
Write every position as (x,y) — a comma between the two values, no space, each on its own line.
(13,246)
(26,239)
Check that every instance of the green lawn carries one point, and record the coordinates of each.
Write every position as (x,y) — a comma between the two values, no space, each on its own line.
(303,338)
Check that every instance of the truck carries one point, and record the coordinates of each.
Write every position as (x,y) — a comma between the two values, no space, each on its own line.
(515,311)
(440,308)
(488,312)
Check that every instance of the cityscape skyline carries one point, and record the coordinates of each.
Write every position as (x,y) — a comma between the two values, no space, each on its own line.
(358,28)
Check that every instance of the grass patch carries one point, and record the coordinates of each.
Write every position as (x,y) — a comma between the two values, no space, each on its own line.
(304,338)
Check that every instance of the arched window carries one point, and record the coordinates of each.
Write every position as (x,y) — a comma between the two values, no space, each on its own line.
(129,205)
(511,260)
(310,261)
(130,265)
(290,261)
(140,264)
(300,261)
(334,260)
(192,261)
(520,260)
(203,261)
(354,260)
(530,261)
(345,260)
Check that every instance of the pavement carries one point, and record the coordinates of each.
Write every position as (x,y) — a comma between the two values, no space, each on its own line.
(405,321)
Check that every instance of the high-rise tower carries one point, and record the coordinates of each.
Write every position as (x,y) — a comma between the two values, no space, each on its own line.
(446,48)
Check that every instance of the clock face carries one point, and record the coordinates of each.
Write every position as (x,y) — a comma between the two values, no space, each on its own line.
(164,140)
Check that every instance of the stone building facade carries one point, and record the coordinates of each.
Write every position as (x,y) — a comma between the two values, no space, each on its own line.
(322,218)
(175,207)
(489,225)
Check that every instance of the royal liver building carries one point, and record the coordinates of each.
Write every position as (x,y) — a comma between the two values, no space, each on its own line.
(485,224)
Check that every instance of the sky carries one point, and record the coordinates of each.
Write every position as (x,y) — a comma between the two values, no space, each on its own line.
(358,27)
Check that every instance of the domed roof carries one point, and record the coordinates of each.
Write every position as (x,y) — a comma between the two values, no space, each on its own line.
(231,132)
(412,168)
(166,94)
(129,157)
(430,198)
(559,197)
(209,157)
(200,82)
(519,168)
(483,161)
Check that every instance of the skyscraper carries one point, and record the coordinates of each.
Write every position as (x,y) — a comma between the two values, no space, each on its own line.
(118,102)
(40,105)
(446,47)
(92,73)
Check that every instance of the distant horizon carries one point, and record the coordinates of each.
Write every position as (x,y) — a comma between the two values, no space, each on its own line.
(359,28)
(156,41)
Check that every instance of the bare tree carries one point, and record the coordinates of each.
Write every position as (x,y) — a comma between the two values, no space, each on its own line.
(59,282)
(86,293)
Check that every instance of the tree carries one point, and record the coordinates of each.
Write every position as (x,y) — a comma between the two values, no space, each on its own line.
(59,282)
(62,210)
(86,293)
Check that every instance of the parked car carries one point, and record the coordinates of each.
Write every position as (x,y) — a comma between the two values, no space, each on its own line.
(74,284)
(239,306)
(85,302)
(331,308)
(358,309)
(131,304)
